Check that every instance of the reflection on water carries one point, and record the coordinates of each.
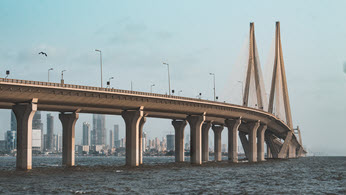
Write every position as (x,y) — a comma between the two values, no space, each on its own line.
(161,175)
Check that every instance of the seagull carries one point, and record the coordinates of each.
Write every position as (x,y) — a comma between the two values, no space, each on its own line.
(42,53)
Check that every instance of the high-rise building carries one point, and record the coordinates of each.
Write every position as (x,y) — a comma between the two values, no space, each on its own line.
(37,124)
(170,142)
(86,134)
(144,142)
(11,139)
(111,139)
(116,133)
(99,130)
(36,140)
(13,121)
(50,132)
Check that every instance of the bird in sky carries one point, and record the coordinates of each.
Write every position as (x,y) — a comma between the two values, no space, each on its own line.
(42,53)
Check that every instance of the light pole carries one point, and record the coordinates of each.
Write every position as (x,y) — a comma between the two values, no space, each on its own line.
(214,84)
(48,73)
(151,88)
(109,81)
(169,79)
(242,91)
(97,50)
(62,76)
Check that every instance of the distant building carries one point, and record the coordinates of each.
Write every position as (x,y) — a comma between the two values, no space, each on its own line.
(86,134)
(116,133)
(3,147)
(224,148)
(99,130)
(36,140)
(111,139)
(37,124)
(50,132)
(57,143)
(11,140)
(144,142)
(82,149)
(13,121)
(170,142)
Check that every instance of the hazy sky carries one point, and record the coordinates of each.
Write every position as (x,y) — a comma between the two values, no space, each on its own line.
(195,38)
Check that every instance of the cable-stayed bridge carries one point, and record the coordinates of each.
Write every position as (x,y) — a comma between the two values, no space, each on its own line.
(258,121)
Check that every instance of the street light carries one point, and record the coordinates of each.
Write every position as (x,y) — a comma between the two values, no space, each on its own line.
(48,73)
(214,84)
(62,77)
(242,91)
(169,80)
(151,88)
(97,50)
(109,81)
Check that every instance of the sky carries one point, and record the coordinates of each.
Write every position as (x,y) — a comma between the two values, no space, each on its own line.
(195,37)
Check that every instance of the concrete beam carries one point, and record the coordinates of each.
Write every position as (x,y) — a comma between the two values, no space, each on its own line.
(217,142)
(260,142)
(132,119)
(205,141)
(24,114)
(179,127)
(233,126)
(140,139)
(68,122)
(195,122)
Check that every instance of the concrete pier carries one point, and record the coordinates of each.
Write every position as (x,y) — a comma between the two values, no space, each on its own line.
(269,154)
(292,151)
(244,143)
(195,122)
(68,122)
(217,142)
(140,139)
(24,114)
(205,141)
(260,142)
(252,141)
(179,127)
(232,126)
(132,119)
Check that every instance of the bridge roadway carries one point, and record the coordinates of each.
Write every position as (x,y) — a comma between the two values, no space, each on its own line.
(25,97)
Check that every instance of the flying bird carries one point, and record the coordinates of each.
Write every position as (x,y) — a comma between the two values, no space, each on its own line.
(42,53)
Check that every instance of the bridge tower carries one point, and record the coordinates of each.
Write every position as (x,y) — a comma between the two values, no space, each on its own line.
(254,78)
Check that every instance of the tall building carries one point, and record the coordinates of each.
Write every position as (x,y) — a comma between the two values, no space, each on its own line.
(144,142)
(170,142)
(99,130)
(11,139)
(37,124)
(36,143)
(116,133)
(111,139)
(13,121)
(50,132)
(86,134)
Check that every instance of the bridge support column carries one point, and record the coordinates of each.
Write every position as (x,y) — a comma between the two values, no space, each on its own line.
(292,151)
(140,139)
(260,142)
(269,154)
(24,114)
(132,119)
(179,127)
(252,141)
(196,122)
(217,142)
(68,122)
(233,126)
(205,141)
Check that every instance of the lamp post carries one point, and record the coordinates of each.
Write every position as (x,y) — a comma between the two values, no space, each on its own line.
(48,73)
(62,76)
(151,88)
(109,81)
(97,50)
(169,79)
(214,84)
(242,91)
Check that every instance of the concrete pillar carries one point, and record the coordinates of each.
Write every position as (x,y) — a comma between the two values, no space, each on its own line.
(68,122)
(217,142)
(233,126)
(260,142)
(132,119)
(24,114)
(196,122)
(179,127)
(140,139)
(292,151)
(244,143)
(205,141)
(269,154)
(252,141)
